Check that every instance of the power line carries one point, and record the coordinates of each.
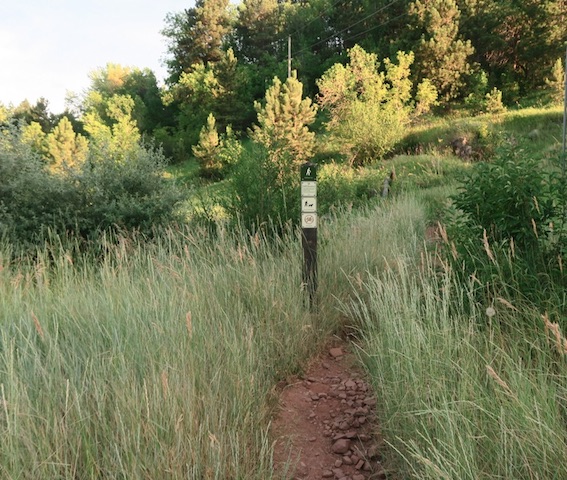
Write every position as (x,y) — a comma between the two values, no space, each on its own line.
(350,26)
(376,26)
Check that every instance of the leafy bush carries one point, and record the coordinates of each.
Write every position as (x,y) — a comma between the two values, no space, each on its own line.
(104,192)
(507,232)
(341,185)
(266,191)
(367,108)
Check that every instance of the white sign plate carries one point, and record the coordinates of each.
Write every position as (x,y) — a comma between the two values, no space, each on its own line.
(308,189)
(308,220)
(308,204)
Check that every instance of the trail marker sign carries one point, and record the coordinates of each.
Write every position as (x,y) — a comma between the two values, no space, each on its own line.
(309,229)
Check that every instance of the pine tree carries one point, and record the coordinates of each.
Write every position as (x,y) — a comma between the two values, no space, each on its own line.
(257,29)
(206,151)
(283,121)
(196,35)
(442,57)
(65,148)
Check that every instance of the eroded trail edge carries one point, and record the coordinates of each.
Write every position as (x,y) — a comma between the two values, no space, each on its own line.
(325,427)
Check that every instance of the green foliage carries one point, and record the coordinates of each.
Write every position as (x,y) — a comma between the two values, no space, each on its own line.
(65,148)
(442,55)
(283,122)
(196,36)
(367,109)
(120,135)
(425,97)
(215,152)
(107,191)
(342,185)
(556,82)
(266,180)
(508,229)
(266,189)
(494,101)
(509,197)
(220,88)
(140,85)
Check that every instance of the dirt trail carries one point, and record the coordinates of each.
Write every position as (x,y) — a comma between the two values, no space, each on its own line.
(325,427)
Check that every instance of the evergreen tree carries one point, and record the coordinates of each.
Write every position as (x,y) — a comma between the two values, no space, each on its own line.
(556,82)
(442,57)
(283,122)
(140,85)
(65,148)
(517,42)
(122,137)
(257,32)
(368,109)
(196,35)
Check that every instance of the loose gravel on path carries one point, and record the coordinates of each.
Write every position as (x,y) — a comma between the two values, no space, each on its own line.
(325,428)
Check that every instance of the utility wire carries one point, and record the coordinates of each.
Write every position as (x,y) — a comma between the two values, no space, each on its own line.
(350,26)
(375,27)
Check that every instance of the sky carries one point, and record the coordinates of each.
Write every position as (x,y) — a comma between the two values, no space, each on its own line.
(49,47)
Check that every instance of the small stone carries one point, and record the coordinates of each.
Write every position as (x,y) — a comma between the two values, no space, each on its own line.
(350,385)
(336,352)
(341,446)
(313,439)
(359,465)
(312,415)
(370,401)
(338,463)
(315,397)
(367,467)
(347,460)
(327,474)
(338,473)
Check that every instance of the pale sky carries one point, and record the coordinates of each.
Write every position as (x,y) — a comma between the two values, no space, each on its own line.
(49,47)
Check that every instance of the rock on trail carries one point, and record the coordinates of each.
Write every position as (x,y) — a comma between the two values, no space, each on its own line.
(325,426)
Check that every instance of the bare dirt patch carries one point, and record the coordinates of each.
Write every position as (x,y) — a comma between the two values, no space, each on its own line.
(326,426)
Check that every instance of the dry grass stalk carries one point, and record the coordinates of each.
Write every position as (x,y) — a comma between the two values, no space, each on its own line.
(560,340)
(443,233)
(487,246)
(506,303)
(534,228)
(499,381)
(37,326)
(164,383)
(189,324)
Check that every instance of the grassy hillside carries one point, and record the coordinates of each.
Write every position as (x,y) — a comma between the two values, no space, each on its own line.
(161,358)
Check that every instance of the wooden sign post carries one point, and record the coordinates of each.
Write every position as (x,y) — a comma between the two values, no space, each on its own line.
(309,231)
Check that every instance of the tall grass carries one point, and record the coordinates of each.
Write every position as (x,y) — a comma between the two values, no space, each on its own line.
(159,360)
(462,395)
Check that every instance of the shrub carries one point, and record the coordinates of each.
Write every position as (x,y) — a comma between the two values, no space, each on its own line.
(367,109)
(507,230)
(266,191)
(104,192)
(216,153)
